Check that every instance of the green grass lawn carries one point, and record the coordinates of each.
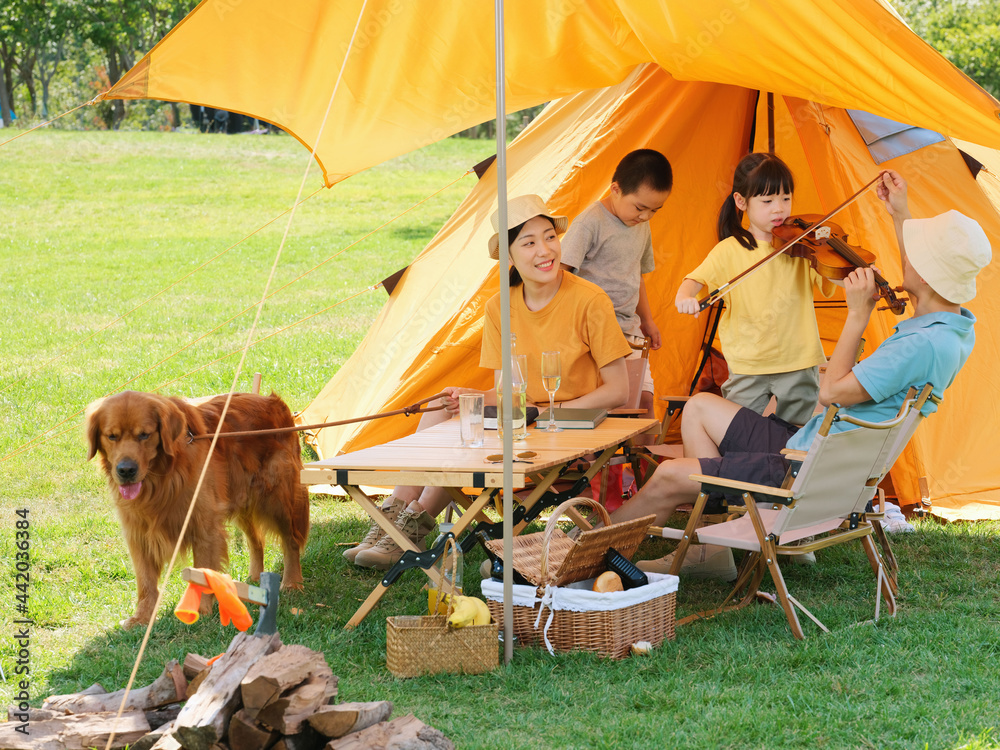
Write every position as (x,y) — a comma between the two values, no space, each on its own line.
(94,224)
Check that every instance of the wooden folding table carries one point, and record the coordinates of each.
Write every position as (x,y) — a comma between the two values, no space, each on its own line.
(435,457)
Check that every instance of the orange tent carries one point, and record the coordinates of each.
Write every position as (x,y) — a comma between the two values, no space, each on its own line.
(680,77)
(429,332)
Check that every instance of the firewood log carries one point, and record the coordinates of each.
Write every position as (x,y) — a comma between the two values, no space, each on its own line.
(407,731)
(278,673)
(344,718)
(290,711)
(246,734)
(204,718)
(169,687)
(193,664)
(76,732)
(14,713)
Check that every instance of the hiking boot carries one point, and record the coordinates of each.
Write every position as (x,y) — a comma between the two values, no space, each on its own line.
(386,552)
(391,508)
(701,561)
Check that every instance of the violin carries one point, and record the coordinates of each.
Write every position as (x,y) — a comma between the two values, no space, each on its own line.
(825,246)
(828,252)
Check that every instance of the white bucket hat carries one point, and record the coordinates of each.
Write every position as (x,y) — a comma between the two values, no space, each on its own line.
(519,210)
(947,251)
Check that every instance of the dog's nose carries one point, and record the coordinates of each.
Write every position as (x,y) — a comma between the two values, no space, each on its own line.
(127,470)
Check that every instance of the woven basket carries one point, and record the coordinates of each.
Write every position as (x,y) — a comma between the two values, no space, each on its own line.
(608,632)
(572,616)
(418,645)
(572,560)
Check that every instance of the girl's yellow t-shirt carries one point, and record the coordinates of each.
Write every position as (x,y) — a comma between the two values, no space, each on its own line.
(769,323)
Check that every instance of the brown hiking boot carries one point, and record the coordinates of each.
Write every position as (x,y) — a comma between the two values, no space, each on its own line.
(392,507)
(386,552)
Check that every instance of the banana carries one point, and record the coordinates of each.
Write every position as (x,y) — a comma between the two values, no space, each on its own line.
(468,610)
(463,612)
(482,612)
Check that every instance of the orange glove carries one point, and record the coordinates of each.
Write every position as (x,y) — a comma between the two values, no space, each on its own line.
(230,606)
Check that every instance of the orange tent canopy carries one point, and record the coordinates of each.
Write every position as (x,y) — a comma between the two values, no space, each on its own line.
(416,72)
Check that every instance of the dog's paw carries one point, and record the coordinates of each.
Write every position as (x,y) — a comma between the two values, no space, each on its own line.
(131,622)
(296,585)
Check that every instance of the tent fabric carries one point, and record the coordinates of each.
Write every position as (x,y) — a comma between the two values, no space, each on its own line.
(417,72)
(428,334)
(685,78)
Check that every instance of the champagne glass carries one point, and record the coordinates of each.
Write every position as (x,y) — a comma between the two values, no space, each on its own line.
(551,377)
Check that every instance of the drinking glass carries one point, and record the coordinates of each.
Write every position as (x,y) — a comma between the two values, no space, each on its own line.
(470,415)
(551,377)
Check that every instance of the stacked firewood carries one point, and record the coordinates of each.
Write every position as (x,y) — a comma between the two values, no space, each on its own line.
(259,695)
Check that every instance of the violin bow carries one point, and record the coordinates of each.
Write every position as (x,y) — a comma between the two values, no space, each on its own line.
(723,290)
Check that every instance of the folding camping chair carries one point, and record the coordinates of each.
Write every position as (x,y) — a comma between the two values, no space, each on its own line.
(825,486)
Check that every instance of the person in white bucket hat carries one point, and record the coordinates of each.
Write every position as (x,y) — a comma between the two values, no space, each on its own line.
(947,251)
(550,309)
(941,257)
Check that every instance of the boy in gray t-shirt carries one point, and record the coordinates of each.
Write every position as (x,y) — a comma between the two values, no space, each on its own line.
(610,244)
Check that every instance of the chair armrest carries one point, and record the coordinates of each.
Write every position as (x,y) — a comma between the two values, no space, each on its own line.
(675,399)
(627,412)
(793,455)
(732,484)
(666,532)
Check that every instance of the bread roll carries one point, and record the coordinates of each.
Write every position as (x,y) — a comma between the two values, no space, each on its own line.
(608,581)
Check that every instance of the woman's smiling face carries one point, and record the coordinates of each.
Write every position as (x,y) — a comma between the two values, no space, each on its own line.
(536,251)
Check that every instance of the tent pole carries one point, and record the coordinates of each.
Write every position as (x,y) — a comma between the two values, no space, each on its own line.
(508,439)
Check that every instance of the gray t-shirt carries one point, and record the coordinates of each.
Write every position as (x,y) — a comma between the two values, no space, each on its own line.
(601,249)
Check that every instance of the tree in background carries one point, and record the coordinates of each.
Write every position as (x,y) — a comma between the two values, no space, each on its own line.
(967,32)
(123,29)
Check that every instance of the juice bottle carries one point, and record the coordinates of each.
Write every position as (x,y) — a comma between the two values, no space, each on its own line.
(519,395)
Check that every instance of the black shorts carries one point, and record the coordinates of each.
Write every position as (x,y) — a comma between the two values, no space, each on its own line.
(751,452)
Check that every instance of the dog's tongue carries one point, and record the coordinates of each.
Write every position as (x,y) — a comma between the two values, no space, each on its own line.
(130,491)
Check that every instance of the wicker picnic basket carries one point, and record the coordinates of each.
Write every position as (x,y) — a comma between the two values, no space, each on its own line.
(418,645)
(572,559)
(573,617)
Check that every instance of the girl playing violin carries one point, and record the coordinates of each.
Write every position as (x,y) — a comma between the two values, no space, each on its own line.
(768,328)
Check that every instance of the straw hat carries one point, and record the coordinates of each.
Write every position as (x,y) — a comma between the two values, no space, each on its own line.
(519,210)
(947,251)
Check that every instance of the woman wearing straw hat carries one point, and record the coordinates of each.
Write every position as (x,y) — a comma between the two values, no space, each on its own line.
(549,309)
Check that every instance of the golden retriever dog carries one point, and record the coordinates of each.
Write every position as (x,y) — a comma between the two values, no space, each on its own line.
(153,466)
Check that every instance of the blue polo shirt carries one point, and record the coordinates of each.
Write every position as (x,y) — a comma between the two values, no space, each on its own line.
(929,348)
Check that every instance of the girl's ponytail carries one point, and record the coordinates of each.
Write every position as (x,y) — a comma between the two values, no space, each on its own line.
(731,224)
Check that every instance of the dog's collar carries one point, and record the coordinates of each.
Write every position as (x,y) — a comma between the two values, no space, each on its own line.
(190,436)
